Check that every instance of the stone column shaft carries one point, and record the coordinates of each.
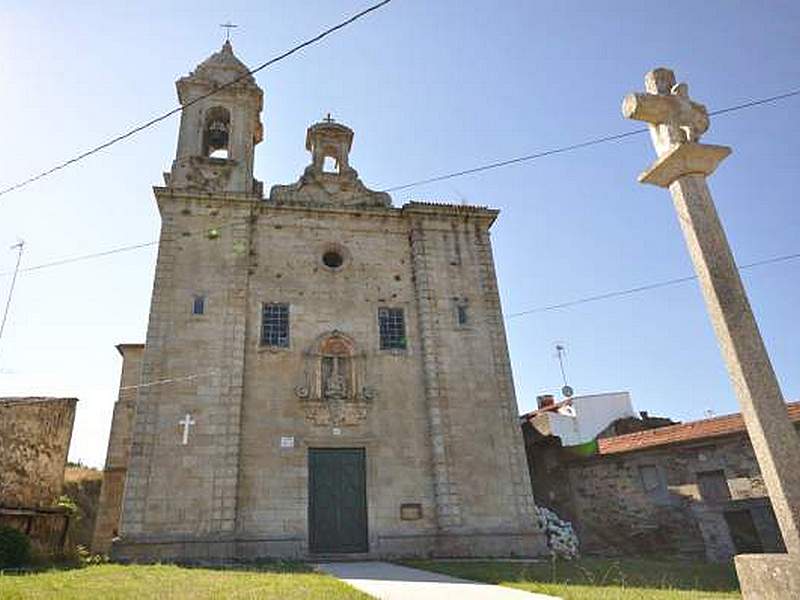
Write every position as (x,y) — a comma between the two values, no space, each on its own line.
(773,436)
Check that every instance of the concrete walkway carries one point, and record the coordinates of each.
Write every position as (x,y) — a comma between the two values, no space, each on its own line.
(386,581)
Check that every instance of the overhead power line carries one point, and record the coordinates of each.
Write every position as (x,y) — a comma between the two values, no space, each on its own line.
(593,142)
(642,288)
(82,257)
(178,109)
(419,182)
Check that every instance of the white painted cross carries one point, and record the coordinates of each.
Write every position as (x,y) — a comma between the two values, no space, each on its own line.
(186,422)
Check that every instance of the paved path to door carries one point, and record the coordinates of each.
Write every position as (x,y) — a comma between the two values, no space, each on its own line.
(386,581)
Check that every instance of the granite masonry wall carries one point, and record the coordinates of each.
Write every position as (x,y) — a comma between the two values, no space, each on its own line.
(440,430)
(35,434)
(119,442)
(34,441)
(702,499)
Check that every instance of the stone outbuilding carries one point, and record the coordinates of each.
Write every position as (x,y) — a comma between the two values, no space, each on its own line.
(35,434)
(689,489)
(324,373)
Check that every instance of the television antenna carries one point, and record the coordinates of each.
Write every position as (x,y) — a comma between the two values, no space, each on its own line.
(561,350)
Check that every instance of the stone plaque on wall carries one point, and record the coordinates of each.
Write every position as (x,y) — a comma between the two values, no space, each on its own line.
(410,512)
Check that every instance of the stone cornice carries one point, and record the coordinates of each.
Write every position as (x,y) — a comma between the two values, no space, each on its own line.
(416,208)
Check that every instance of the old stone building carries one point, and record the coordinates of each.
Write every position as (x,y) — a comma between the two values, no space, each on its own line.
(323,372)
(35,435)
(691,489)
(119,444)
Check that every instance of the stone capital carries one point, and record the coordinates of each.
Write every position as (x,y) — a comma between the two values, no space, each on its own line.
(684,159)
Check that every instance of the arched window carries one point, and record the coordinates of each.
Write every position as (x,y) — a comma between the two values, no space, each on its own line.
(216,133)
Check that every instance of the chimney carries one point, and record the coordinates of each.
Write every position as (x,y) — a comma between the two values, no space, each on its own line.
(545,401)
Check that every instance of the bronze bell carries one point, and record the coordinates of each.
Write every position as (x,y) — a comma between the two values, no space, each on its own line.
(217,135)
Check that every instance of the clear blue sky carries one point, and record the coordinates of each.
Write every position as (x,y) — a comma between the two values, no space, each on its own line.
(429,87)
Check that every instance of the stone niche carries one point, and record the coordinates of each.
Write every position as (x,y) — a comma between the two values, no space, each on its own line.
(333,389)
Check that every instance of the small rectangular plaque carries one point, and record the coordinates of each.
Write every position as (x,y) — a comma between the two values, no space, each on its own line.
(287,441)
(410,512)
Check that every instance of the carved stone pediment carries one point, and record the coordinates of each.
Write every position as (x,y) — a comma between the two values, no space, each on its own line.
(329,189)
(333,389)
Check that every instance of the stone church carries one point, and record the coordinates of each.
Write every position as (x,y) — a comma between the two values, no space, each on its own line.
(323,373)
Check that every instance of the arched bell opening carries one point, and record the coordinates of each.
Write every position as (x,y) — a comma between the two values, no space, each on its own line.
(216,133)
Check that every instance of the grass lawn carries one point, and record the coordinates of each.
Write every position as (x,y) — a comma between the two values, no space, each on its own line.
(168,582)
(599,579)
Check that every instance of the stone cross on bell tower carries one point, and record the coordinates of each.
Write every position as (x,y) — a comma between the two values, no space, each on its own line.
(676,124)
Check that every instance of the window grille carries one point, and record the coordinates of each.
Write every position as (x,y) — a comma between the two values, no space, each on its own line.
(275,325)
(391,324)
(199,305)
(461,314)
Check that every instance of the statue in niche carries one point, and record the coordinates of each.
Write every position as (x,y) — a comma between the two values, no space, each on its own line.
(333,391)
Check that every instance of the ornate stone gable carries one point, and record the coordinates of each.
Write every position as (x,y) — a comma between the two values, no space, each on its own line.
(336,185)
(333,389)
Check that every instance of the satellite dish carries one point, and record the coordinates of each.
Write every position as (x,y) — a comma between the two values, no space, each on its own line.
(567,391)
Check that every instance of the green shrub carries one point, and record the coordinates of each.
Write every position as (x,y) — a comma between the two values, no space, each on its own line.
(15,548)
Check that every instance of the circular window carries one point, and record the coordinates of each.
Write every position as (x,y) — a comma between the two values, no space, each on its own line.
(332,259)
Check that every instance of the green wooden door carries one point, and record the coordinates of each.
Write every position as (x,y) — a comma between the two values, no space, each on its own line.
(337,500)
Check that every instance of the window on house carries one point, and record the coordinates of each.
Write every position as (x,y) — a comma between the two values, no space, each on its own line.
(744,532)
(713,486)
(651,479)
(198,305)
(391,324)
(275,325)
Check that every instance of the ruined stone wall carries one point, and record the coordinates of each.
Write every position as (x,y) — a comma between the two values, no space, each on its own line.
(617,513)
(34,441)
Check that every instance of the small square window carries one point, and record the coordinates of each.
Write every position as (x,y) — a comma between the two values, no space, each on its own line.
(275,325)
(713,486)
(391,324)
(199,305)
(651,479)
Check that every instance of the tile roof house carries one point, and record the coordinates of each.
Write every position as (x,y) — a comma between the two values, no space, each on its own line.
(688,489)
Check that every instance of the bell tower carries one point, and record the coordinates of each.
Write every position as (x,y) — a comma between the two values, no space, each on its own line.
(218,132)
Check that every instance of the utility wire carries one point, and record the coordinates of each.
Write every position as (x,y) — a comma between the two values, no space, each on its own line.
(18,247)
(478,169)
(600,140)
(518,159)
(82,257)
(643,288)
(193,376)
(178,109)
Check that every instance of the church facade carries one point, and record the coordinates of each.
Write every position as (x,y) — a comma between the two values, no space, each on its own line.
(323,372)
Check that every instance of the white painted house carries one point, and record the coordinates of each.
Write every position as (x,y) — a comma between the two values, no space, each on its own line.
(580,419)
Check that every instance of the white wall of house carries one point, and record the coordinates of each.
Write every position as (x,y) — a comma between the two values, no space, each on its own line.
(589,416)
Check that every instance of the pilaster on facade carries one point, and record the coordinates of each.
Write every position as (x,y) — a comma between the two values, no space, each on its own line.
(506,398)
(225,483)
(145,420)
(446,493)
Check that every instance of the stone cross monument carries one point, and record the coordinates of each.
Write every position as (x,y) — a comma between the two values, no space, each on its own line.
(676,124)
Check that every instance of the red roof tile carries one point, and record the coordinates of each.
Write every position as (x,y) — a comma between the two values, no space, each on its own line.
(685,432)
